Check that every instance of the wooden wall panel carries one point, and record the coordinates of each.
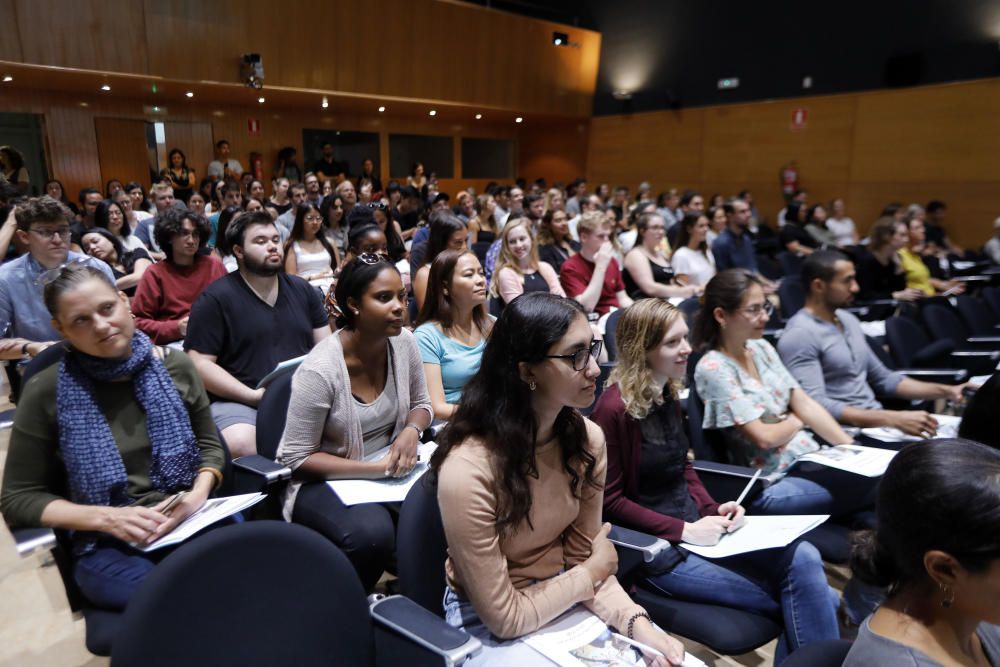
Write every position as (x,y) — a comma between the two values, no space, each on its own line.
(122,149)
(10,45)
(557,154)
(424,49)
(194,140)
(912,145)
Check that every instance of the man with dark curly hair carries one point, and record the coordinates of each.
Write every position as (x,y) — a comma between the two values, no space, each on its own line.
(164,296)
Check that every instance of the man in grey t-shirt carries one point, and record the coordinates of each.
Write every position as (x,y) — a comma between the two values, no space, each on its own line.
(825,350)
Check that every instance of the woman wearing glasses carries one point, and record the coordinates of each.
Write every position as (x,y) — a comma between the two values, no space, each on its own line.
(651,486)
(520,480)
(308,252)
(358,407)
(761,410)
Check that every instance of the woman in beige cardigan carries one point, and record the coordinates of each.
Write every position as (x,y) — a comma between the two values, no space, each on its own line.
(358,407)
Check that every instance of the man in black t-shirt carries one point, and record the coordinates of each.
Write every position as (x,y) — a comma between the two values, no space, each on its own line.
(245,323)
(327,168)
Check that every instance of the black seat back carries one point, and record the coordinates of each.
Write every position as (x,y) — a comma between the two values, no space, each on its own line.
(273,411)
(792,296)
(976,315)
(421,548)
(610,335)
(944,323)
(906,339)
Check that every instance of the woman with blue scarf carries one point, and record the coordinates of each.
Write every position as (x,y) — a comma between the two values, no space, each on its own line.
(104,440)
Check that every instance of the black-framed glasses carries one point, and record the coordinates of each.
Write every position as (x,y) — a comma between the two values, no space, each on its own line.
(756,310)
(378,206)
(581,358)
(371,258)
(48,232)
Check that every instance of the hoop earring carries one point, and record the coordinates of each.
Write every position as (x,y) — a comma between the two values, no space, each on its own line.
(949,597)
(532,386)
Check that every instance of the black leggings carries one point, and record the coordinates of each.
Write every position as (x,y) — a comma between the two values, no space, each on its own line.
(366,533)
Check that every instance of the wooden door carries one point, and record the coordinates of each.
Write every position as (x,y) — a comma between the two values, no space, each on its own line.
(195,141)
(122,150)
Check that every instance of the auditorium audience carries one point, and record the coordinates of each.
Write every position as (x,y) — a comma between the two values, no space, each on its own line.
(652,487)
(592,276)
(915,263)
(825,350)
(181,177)
(880,270)
(693,257)
(520,476)
(167,290)
(452,327)
(128,266)
(759,409)
(224,167)
(286,220)
(840,225)
(54,188)
(734,247)
(43,227)
(647,270)
(794,236)
(380,215)
(446,233)
(103,438)
(308,252)
(518,269)
(936,550)
(246,323)
(358,407)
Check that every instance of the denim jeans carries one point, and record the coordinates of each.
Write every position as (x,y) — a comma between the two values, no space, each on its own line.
(818,491)
(788,584)
(109,575)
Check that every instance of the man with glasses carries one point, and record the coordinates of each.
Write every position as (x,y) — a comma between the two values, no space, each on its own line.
(285,221)
(43,226)
(825,350)
(246,323)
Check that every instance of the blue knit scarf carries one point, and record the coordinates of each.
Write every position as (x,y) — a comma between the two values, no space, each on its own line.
(93,463)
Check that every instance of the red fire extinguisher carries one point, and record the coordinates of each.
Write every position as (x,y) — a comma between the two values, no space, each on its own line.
(257,165)
(789,179)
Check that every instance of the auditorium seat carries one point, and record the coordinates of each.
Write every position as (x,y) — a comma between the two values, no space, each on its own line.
(944,323)
(611,333)
(911,347)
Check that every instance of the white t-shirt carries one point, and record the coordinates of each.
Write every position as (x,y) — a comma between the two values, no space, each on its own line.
(699,267)
(842,229)
(216,168)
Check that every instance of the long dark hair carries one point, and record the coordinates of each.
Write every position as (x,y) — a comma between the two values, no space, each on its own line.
(355,277)
(442,227)
(684,231)
(225,217)
(299,230)
(496,407)
(942,494)
(102,216)
(725,290)
(437,305)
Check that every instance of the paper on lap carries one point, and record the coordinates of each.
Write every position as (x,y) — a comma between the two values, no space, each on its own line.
(947,428)
(865,461)
(213,511)
(759,533)
(387,490)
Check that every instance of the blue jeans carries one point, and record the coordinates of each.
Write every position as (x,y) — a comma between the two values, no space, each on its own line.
(109,575)
(496,651)
(787,583)
(818,491)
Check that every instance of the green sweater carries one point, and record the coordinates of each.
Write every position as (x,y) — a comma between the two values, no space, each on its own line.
(34,474)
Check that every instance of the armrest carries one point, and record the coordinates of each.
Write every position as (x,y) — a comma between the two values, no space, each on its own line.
(420,626)
(875,302)
(269,470)
(984,340)
(725,481)
(648,545)
(31,540)
(942,376)
(432,431)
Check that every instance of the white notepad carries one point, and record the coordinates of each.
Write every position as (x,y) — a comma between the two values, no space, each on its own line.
(387,490)
(866,461)
(214,510)
(947,428)
(759,533)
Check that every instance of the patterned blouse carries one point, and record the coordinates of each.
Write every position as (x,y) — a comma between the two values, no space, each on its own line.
(732,398)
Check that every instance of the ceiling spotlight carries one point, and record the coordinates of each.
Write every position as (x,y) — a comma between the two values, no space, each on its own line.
(432,112)
(622,95)
(381,109)
(560,39)
(261,100)
(518,120)
(105,87)
(479,116)
(8,78)
(189,94)
(325,104)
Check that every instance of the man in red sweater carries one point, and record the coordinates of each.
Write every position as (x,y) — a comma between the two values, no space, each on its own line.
(164,296)
(592,276)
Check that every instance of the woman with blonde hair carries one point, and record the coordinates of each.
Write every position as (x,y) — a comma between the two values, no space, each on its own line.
(518,269)
(651,486)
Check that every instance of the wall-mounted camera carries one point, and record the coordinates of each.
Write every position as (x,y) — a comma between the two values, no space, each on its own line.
(252,70)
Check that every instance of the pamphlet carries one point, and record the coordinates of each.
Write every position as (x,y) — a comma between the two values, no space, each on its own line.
(865,461)
(387,490)
(214,510)
(947,428)
(267,379)
(759,533)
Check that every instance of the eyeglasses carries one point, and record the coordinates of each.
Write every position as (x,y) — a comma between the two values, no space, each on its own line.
(47,232)
(378,206)
(580,358)
(372,258)
(313,218)
(756,309)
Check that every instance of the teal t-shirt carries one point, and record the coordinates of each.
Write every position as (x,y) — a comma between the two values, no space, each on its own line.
(458,362)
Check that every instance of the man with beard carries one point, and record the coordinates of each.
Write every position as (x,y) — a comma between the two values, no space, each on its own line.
(825,350)
(247,322)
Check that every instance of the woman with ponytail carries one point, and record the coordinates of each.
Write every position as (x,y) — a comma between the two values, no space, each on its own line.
(937,552)
(104,439)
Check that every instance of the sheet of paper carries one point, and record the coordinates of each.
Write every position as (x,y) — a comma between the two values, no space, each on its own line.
(214,510)
(866,461)
(579,639)
(266,380)
(947,428)
(389,490)
(979,380)
(759,533)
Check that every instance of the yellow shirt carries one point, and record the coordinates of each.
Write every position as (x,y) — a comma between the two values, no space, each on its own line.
(917,274)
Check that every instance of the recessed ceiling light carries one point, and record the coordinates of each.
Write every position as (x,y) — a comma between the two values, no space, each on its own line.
(326,103)
(518,120)
(432,112)
(261,100)
(105,87)
(479,116)
(381,109)
(8,78)
(189,94)
(84,104)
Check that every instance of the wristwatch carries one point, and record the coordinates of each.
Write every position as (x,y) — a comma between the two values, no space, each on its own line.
(24,352)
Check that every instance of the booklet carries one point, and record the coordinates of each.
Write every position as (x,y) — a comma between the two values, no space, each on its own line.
(387,490)
(214,509)
(267,379)
(860,460)
(947,428)
(579,639)
(759,533)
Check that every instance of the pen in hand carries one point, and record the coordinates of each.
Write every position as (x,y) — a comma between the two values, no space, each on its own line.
(746,490)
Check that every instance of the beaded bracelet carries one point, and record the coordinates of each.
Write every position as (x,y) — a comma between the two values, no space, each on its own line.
(631,622)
